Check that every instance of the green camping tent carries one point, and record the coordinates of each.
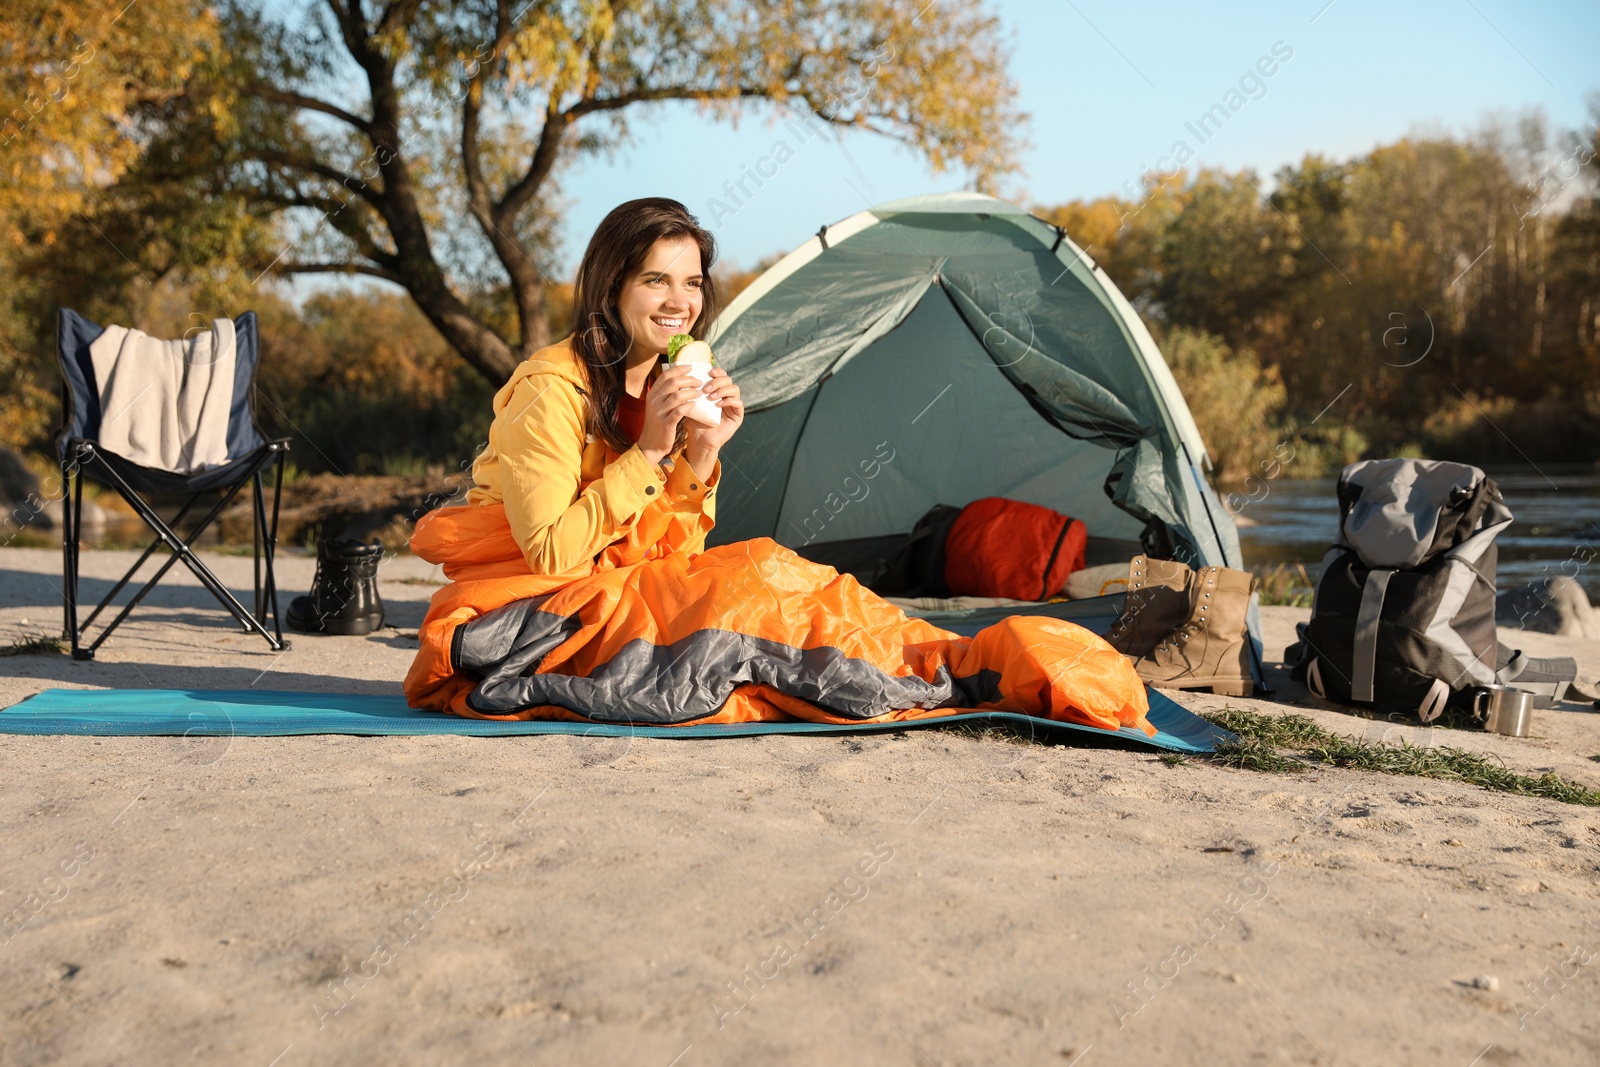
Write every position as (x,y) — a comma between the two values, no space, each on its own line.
(944,348)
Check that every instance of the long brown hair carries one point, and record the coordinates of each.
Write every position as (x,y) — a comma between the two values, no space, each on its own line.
(599,339)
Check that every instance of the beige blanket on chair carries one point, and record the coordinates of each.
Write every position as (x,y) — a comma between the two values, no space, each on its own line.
(165,404)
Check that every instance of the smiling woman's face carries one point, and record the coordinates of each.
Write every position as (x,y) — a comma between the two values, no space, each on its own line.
(663,296)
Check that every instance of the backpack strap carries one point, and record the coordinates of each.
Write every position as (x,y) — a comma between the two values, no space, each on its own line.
(1432,705)
(1364,659)
(1514,666)
(1044,585)
(1547,679)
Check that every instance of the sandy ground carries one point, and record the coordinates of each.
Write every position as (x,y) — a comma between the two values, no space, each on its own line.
(920,898)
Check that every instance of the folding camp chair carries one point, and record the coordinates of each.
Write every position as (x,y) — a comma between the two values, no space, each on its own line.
(250,454)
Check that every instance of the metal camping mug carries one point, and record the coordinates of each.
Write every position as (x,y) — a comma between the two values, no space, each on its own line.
(1504,710)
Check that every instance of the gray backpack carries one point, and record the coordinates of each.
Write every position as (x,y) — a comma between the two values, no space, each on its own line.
(1402,619)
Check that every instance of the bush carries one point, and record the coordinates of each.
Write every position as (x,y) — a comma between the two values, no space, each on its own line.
(1500,430)
(363,384)
(1234,401)
(1321,449)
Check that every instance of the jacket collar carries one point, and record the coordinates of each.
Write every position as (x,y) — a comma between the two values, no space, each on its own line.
(558,359)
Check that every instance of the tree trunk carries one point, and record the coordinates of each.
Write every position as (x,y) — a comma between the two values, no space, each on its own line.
(536,322)
(480,346)
(415,265)
(1537,352)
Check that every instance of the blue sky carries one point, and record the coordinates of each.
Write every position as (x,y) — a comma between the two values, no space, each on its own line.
(1110,86)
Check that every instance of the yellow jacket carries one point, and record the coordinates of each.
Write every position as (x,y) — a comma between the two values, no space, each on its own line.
(568,494)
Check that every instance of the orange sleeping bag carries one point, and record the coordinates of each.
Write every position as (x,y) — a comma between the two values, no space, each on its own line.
(743,632)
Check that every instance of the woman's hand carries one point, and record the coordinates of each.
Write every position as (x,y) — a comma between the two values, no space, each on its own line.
(708,440)
(725,395)
(665,406)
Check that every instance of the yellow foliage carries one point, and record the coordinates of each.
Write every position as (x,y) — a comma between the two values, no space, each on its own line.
(1232,398)
(73,72)
(77,78)
(1092,225)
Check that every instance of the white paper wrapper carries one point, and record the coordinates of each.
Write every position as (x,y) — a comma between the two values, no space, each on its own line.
(705,410)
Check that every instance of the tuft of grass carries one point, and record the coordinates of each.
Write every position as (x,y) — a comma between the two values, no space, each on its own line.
(1451,764)
(1255,754)
(39,645)
(1288,744)
(1282,731)
(1174,759)
(1287,585)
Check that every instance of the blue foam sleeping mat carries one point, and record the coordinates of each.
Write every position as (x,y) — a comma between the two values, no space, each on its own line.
(252,713)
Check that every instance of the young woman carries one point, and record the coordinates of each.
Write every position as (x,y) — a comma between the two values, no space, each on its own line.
(581,585)
(644,278)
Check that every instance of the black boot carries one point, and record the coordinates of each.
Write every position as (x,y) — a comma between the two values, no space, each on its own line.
(344,594)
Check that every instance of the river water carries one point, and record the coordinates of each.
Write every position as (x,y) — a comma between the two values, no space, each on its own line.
(1556,529)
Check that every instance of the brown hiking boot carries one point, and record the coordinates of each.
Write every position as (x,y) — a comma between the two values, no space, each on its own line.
(1208,651)
(1158,600)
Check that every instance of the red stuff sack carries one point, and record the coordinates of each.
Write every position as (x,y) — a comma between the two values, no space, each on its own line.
(1007,548)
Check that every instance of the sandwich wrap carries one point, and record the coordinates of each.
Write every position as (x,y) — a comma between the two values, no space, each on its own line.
(696,355)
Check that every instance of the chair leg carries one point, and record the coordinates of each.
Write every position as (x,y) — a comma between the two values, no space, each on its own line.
(71,532)
(68,623)
(179,547)
(271,542)
(146,513)
(258,519)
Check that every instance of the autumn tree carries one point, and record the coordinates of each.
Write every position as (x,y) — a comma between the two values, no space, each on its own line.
(1573,355)
(424,139)
(1233,400)
(84,87)
(1436,293)
(1124,236)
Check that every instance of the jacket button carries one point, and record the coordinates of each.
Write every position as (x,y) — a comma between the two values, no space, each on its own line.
(693,486)
(649,490)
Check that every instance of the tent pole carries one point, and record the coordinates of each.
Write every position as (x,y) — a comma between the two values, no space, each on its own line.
(1212,519)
